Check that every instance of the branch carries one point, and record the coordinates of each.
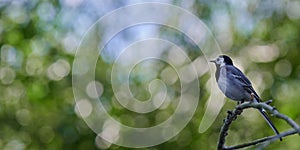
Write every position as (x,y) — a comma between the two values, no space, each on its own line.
(270,138)
(232,115)
(272,110)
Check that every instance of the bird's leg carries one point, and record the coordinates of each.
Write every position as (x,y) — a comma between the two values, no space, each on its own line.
(239,110)
(252,97)
(240,102)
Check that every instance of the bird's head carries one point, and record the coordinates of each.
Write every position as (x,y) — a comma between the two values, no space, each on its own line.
(222,60)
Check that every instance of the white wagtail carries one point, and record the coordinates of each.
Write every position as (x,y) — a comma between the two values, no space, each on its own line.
(236,86)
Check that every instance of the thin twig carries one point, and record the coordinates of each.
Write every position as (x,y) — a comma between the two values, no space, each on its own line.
(269,138)
(232,115)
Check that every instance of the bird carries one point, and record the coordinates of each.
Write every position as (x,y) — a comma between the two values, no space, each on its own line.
(236,86)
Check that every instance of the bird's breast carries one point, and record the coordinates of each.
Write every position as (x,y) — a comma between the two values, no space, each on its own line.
(222,83)
(230,87)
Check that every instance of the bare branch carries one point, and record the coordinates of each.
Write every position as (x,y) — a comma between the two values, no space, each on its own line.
(269,138)
(272,110)
(232,115)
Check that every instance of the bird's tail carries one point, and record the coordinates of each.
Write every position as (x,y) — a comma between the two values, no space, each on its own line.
(263,113)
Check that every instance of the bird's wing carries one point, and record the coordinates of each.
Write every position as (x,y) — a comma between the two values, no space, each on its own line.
(237,74)
(243,80)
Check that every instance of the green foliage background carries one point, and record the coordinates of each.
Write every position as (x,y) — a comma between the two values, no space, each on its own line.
(38,40)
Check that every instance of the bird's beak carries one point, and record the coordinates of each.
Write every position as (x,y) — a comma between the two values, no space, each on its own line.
(212,61)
